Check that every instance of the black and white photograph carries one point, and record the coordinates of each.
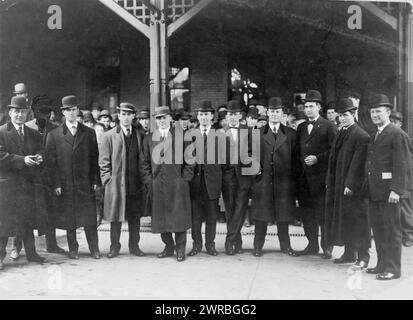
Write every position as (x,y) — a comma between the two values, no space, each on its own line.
(206,155)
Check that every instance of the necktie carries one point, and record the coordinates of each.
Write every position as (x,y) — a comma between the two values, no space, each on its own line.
(128,133)
(377,134)
(21,135)
(310,126)
(74,130)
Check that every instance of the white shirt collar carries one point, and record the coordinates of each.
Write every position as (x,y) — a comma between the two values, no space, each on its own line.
(346,128)
(202,128)
(17,127)
(276,126)
(383,126)
(164,132)
(316,118)
(70,125)
(124,129)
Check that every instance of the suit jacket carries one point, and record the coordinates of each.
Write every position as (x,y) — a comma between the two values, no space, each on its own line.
(212,172)
(387,163)
(112,162)
(22,190)
(73,166)
(318,143)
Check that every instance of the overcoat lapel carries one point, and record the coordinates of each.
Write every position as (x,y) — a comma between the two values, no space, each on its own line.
(67,136)
(281,138)
(80,135)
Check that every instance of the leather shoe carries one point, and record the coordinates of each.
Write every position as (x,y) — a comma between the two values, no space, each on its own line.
(113,254)
(230,251)
(360,265)
(239,250)
(374,270)
(137,252)
(14,255)
(386,276)
(308,251)
(180,256)
(408,243)
(73,255)
(343,259)
(166,253)
(55,249)
(327,254)
(96,255)
(212,251)
(194,251)
(257,252)
(35,258)
(290,252)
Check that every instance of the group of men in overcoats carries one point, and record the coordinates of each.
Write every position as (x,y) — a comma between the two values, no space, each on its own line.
(343,182)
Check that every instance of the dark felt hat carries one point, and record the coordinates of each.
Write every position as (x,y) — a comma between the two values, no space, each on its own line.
(253,102)
(253,113)
(126,106)
(87,117)
(395,115)
(344,105)
(313,96)
(331,105)
(105,113)
(161,111)
(18,102)
(275,103)
(205,106)
(144,114)
(380,100)
(69,102)
(234,106)
(262,118)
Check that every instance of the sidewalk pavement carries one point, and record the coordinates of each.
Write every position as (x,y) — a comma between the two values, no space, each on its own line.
(272,276)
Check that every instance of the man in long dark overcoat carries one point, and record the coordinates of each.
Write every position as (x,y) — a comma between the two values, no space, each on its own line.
(166,177)
(387,168)
(314,139)
(72,160)
(274,188)
(119,155)
(22,195)
(347,221)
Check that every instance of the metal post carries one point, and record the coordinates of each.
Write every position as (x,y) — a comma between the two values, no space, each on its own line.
(401,65)
(164,56)
(154,74)
(408,122)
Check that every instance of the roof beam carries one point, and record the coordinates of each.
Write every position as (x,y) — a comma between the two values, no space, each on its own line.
(187,16)
(126,16)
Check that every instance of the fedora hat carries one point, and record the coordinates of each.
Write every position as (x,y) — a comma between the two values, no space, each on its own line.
(143,114)
(344,105)
(234,106)
(87,117)
(161,111)
(275,103)
(380,100)
(19,88)
(126,106)
(313,96)
(105,113)
(18,102)
(69,102)
(205,106)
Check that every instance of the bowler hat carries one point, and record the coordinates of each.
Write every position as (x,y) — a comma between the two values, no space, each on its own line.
(395,115)
(275,103)
(380,100)
(331,105)
(234,106)
(126,106)
(105,113)
(252,102)
(253,113)
(18,102)
(69,102)
(354,94)
(183,115)
(162,111)
(344,105)
(19,88)
(313,96)
(143,114)
(205,106)
(262,102)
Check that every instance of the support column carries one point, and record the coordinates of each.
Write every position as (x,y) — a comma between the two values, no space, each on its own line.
(164,54)
(155,64)
(408,122)
(401,62)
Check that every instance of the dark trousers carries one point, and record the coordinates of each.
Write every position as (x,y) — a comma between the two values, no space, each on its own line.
(358,253)
(235,196)
(179,244)
(312,214)
(27,240)
(134,225)
(407,217)
(386,224)
(91,237)
(51,242)
(261,231)
(206,209)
